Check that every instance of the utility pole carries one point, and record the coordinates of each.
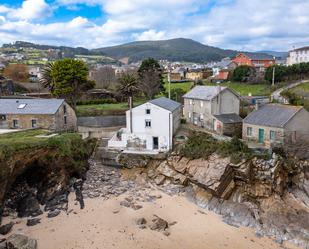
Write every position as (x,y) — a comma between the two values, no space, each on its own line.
(274,70)
(169,84)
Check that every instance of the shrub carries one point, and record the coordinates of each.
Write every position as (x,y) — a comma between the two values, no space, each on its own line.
(96,101)
(202,145)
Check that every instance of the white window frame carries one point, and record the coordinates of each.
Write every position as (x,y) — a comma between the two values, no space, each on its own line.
(36,123)
(249,134)
(17,122)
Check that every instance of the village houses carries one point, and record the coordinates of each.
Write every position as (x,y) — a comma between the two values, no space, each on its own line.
(150,127)
(215,108)
(258,60)
(276,124)
(50,114)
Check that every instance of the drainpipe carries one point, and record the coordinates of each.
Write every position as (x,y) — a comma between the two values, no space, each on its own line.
(170,125)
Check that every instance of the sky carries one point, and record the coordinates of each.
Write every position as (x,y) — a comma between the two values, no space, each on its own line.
(251,25)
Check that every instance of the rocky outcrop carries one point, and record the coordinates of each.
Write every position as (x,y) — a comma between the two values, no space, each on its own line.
(269,195)
(40,175)
(214,174)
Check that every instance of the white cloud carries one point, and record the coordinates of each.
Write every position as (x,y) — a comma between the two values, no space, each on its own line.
(150,35)
(31,9)
(236,24)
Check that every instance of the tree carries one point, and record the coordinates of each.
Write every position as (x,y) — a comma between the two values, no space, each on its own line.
(46,79)
(17,72)
(67,78)
(150,76)
(242,73)
(280,73)
(128,86)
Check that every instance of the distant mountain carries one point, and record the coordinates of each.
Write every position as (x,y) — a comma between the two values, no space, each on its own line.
(179,49)
(282,55)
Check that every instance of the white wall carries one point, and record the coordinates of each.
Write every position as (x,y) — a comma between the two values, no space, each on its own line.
(298,56)
(161,125)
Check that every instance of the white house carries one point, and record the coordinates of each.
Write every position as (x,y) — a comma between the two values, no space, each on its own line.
(298,55)
(149,127)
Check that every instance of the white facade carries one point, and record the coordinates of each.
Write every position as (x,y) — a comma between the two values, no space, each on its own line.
(298,56)
(149,127)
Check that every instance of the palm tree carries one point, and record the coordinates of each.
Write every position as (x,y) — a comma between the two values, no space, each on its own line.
(46,79)
(128,86)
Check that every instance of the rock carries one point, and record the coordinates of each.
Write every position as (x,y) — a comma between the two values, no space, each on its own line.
(158,224)
(159,179)
(53,213)
(29,206)
(33,222)
(125,203)
(136,206)
(166,233)
(19,241)
(3,245)
(141,221)
(5,229)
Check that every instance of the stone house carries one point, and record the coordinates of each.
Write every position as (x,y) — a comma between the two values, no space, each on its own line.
(51,114)
(214,107)
(276,124)
(150,127)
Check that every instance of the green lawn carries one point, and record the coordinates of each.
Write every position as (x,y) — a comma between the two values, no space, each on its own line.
(303,88)
(241,88)
(104,109)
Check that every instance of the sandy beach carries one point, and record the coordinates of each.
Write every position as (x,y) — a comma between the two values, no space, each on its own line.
(107,224)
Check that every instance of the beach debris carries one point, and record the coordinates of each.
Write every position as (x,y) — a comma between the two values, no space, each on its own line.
(33,222)
(53,213)
(5,229)
(20,241)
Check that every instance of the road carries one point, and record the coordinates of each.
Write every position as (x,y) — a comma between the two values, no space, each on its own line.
(276,95)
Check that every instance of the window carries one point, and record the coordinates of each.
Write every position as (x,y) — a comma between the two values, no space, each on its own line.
(249,131)
(201,117)
(65,120)
(33,123)
(2,117)
(147,123)
(189,114)
(64,109)
(272,135)
(15,123)
(201,103)
(190,101)
(147,111)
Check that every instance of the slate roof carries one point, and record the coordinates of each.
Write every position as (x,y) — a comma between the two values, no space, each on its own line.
(258,56)
(302,48)
(166,103)
(32,106)
(229,118)
(273,115)
(203,92)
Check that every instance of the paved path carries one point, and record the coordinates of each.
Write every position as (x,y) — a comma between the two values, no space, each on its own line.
(276,95)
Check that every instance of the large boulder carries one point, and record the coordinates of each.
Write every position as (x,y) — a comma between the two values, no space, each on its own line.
(20,241)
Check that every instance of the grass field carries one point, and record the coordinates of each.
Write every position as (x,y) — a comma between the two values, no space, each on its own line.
(241,88)
(22,140)
(303,88)
(104,109)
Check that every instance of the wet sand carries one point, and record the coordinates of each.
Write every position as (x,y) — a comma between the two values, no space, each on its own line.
(105,224)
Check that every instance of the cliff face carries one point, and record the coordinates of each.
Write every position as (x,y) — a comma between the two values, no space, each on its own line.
(269,195)
(42,171)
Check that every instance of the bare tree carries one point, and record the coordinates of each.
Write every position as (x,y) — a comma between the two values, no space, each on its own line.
(104,77)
